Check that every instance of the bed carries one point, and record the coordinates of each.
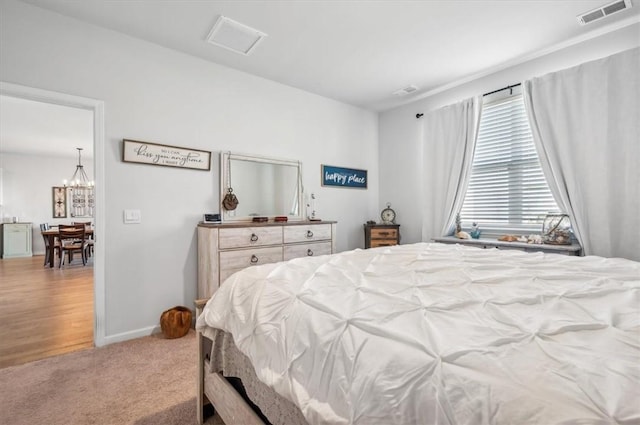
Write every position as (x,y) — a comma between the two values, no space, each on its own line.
(425,333)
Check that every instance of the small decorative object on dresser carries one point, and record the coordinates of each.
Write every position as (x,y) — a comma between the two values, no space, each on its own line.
(212,218)
(381,235)
(388,215)
(311,208)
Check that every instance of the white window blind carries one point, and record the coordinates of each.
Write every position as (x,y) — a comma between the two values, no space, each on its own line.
(507,190)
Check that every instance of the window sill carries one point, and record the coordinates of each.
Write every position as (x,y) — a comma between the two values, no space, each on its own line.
(573,249)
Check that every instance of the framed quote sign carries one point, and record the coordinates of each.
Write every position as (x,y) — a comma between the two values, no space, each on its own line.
(343,177)
(166,155)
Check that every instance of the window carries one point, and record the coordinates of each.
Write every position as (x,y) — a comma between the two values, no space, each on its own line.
(507,190)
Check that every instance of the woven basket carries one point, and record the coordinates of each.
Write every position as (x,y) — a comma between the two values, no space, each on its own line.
(175,322)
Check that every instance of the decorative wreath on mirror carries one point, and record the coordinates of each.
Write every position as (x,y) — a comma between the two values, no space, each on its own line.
(230,200)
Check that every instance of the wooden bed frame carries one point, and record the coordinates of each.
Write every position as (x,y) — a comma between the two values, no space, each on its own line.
(214,389)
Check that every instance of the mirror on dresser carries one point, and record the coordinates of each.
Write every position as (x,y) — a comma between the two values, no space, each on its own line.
(264,187)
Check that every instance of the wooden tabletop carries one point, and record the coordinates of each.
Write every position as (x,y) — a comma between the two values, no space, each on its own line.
(56,231)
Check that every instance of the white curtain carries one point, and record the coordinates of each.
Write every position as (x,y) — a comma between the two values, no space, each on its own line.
(448,141)
(586,125)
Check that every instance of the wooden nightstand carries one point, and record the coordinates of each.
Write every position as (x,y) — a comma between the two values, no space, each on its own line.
(381,235)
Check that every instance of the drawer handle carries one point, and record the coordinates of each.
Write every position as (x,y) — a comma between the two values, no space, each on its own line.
(309,234)
(254,259)
(254,237)
(309,253)
(383,233)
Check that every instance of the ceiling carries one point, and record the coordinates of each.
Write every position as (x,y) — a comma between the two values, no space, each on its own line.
(358,52)
(37,128)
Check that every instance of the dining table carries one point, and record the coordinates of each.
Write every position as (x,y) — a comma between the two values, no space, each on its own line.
(52,233)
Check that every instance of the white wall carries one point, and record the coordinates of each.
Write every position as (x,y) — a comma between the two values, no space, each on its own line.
(27,181)
(155,94)
(400,132)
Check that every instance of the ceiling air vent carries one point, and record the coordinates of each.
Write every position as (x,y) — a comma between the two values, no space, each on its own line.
(234,36)
(405,91)
(601,12)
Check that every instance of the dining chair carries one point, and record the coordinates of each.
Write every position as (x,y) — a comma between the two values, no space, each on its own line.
(47,247)
(90,238)
(72,239)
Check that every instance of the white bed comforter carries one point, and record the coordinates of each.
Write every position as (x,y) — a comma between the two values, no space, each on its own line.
(442,334)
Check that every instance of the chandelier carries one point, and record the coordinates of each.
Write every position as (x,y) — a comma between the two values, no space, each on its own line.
(81,190)
(79,178)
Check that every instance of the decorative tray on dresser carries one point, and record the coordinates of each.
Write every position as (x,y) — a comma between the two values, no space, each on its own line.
(223,249)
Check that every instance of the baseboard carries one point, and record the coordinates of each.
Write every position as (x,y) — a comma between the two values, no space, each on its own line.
(138,333)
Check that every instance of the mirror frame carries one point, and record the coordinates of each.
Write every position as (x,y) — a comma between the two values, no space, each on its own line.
(225,157)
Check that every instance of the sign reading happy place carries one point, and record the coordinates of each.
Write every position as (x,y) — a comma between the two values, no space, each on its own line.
(344,177)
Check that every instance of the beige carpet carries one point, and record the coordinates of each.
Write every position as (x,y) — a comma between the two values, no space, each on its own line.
(147,381)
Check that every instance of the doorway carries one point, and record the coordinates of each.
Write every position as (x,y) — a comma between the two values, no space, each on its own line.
(76,274)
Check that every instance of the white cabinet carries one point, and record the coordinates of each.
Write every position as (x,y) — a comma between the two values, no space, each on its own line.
(224,249)
(16,240)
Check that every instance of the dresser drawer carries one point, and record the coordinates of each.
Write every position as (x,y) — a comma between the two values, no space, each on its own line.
(384,234)
(307,250)
(304,233)
(241,237)
(383,242)
(232,261)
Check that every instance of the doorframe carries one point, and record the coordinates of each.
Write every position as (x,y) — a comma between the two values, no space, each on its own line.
(97,107)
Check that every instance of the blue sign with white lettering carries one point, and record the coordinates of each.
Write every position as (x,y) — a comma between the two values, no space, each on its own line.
(343,177)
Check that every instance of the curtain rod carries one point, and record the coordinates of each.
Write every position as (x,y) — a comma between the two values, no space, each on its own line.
(504,88)
(486,94)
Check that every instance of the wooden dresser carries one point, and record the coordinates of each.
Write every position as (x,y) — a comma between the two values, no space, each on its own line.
(223,249)
(381,235)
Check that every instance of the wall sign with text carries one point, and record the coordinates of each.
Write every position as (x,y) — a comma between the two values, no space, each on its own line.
(344,177)
(169,156)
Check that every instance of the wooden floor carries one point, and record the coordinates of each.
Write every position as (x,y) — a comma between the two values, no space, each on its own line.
(44,311)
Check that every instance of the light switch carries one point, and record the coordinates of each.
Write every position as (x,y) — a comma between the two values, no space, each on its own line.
(132,216)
